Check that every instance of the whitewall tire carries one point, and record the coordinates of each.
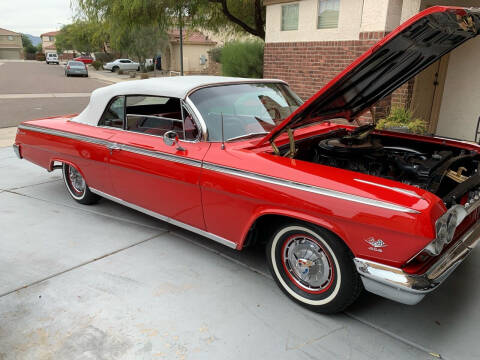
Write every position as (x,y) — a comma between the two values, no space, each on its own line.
(77,186)
(313,267)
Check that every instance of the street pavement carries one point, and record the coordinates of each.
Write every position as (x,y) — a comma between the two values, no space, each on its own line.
(32,89)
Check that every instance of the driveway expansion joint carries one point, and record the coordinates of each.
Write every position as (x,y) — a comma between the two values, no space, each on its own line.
(82,264)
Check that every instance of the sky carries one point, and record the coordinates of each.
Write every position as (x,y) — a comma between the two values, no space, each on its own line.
(34,17)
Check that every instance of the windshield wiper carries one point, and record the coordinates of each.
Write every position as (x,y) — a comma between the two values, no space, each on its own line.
(248,135)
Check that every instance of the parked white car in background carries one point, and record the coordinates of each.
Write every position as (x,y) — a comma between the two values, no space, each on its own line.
(51,58)
(124,64)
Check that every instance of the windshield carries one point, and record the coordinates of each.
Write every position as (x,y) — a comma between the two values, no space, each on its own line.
(246,109)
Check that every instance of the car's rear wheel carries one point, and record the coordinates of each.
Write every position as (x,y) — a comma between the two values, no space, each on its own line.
(313,267)
(77,187)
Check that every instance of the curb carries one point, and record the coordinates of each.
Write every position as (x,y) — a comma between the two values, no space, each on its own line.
(99,76)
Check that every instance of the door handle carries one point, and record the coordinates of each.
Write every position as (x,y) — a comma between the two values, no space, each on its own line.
(113,147)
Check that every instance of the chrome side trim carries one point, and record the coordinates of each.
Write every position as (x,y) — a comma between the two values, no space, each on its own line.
(116,146)
(225,170)
(306,187)
(160,155)
(204,233)
(64,134)
(402,191)
(395,284)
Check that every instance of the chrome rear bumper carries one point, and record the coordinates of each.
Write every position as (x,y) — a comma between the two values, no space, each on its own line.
(393,283)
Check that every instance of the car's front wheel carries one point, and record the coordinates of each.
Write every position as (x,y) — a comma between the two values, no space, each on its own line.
(77,187)
(115,69)
(313,267)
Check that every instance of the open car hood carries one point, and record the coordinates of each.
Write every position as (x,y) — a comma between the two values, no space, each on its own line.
(394,60)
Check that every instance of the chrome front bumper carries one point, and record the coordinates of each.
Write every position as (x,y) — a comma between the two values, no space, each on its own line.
(16,150)
(394,284)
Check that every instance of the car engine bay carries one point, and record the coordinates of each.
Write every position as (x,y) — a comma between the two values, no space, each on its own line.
(449,172)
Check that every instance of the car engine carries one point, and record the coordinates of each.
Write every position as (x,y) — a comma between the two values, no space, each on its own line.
(437,168)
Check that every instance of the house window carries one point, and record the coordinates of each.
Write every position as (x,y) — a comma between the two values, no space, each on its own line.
(10,37)
(290,17)
(328,11)
(51,38)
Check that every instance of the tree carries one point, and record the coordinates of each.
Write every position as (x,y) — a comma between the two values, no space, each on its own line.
(28,47)
(83,36)
(138,41)
(216,15)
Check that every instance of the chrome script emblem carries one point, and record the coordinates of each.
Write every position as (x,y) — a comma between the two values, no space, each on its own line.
(375,245)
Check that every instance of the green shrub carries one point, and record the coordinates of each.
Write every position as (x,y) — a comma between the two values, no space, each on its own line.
(97,64)
(402,118)
(243,58)
(150,67)
(216,53)
(103,57)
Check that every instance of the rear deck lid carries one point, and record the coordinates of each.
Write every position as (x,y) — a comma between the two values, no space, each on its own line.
(394,60)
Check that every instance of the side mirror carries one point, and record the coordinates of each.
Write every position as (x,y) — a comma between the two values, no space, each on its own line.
(170,138)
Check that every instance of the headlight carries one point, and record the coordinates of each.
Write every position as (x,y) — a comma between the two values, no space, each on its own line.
(445,229)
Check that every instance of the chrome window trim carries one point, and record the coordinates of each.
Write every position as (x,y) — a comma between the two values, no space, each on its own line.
(156,117)
(167,219)
(227,170)
(198,116)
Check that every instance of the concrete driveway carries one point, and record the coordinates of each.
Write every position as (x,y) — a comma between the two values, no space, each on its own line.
(107,282)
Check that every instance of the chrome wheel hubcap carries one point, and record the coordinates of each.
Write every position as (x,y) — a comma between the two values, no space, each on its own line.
(307,263)
(76,180)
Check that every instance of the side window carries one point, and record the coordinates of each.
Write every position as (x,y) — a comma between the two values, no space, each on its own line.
(114,114)
(155,115)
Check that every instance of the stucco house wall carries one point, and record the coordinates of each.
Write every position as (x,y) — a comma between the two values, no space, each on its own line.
(308,58)
(48,42)
(11,46)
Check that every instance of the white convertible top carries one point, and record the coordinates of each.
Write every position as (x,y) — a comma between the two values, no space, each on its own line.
(176,86)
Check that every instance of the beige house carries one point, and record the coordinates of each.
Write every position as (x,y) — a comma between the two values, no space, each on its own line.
(11,46)
(308,42)
(195,52)
(48,42)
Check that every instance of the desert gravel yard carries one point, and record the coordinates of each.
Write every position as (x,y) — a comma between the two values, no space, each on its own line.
(107,282)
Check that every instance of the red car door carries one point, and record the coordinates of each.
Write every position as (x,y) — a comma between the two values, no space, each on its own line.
(152,175)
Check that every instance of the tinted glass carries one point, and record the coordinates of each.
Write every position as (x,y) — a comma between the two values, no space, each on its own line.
(246,109)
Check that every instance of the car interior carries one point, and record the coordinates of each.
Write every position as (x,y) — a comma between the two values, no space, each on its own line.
(153,115)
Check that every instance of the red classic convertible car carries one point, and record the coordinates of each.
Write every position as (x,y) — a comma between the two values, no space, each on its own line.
(242,161)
